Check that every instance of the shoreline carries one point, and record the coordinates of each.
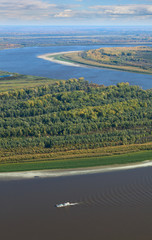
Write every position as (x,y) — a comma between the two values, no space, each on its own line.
(48,57)
(71,172)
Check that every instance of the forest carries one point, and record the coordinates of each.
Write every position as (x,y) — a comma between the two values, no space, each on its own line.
(139,57)
(73,115)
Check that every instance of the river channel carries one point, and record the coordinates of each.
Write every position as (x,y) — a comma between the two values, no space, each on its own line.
(25,61)
(112,206)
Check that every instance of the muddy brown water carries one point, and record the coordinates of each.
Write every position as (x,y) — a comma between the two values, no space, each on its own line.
(112,206)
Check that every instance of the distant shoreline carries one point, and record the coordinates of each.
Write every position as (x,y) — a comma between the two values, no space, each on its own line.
(70,172)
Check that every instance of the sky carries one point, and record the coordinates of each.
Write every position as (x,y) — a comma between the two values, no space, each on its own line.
(76,12)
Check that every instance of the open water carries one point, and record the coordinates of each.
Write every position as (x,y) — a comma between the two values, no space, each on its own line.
(25,61)
(113,206)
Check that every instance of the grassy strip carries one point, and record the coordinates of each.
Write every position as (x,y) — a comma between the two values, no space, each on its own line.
(18,81)
(79,163)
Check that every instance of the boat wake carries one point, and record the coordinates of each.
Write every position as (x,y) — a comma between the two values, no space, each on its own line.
(66,204)
(132,194)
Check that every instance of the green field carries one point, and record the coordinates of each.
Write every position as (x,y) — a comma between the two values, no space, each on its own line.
(79,163)
(132,59)
(18,81)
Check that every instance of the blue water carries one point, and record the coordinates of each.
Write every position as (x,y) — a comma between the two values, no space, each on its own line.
(3,76)
(25,61)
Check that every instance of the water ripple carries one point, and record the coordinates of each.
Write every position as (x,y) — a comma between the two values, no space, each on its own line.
(132,194)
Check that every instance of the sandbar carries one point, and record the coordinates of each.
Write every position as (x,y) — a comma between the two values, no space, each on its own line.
(48,57)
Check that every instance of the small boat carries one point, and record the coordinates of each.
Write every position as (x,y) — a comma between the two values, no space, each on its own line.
(66,204)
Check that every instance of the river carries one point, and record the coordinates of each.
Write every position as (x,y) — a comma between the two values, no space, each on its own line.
(25,61)
(112,205)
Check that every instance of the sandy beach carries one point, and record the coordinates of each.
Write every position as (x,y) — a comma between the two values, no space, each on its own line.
(48,57)
(70,172)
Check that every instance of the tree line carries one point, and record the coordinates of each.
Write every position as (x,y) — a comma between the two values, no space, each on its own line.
(75,114)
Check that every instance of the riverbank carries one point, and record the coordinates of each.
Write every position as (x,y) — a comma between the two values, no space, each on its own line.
(74,58)
(71,172)
(78,166)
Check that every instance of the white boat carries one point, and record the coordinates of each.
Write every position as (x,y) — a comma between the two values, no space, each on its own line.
(66,204)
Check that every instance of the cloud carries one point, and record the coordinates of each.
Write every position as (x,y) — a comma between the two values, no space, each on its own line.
(65,14)
(44,11)
(27,10)
(24,5)
(119,10)
(107,11)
